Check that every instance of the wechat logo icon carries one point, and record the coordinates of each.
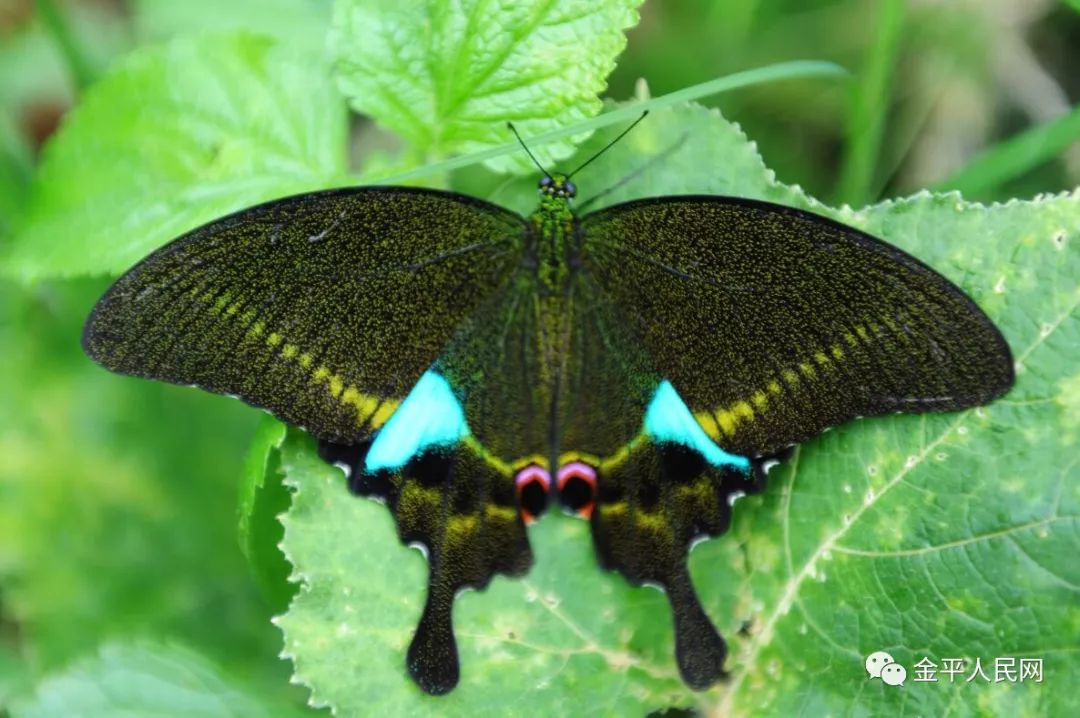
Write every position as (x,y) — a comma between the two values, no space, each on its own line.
(881,665)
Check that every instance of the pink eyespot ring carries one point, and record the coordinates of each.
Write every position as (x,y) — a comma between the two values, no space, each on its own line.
(576,483)
(531,503)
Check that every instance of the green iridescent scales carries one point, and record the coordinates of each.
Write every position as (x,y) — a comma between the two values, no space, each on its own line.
(556,336)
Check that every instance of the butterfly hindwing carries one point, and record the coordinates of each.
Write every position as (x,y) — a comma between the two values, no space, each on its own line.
(323,308)
(775,324)
(650,509)
(462,510)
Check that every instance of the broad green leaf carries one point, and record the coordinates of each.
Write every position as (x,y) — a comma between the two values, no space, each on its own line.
(146,679)
(940,536)
(262,497)
(447,76)
(303,23)
(175,136)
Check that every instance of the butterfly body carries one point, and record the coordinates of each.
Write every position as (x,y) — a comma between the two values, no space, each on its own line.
(638,365)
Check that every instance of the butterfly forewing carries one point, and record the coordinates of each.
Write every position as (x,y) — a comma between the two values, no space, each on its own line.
(774,324)
(323,308)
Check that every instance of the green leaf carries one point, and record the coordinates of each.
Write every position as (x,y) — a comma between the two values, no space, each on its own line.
(263,497)
(940,535)
(174,137)
(144,679)
(447,76)
(303,23)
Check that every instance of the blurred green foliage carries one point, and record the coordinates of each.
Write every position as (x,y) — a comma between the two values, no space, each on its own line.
(118,497)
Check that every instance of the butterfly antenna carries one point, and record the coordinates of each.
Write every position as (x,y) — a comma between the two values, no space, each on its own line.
(526,148)
(627,179)
(608,145)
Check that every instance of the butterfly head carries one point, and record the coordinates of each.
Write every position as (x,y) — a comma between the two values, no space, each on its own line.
(557,186)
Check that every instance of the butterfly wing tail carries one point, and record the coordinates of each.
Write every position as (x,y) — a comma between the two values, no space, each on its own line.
(462,512)
(650,511)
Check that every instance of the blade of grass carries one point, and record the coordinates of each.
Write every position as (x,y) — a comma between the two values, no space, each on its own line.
(80,67)
(16,169)
(909,122)
(769,73)
(870,107)
(1015,156)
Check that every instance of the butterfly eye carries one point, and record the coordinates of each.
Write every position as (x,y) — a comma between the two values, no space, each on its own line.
(545,182)
(570,189)
(532,484)
(577,488)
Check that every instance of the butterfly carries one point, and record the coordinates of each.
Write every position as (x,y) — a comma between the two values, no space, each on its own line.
(641,366)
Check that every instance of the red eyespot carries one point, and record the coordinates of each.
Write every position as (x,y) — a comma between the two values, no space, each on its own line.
(576,483)
(532,484)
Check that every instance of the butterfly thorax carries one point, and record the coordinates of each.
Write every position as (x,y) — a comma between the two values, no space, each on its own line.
(551,239)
